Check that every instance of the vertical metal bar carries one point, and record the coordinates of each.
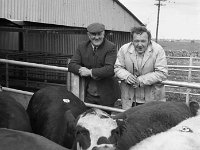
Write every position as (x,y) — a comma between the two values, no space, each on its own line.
(68,77)
(189,80)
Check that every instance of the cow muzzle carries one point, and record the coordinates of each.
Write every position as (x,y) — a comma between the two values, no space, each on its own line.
(104,147)
(99,147)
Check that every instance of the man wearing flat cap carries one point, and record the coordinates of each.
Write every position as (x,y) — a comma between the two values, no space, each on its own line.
(94,60)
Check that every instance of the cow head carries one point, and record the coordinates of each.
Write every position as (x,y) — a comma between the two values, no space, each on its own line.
(96,130)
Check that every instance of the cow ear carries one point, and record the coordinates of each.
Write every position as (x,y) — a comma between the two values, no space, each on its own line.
(71,121)
(194,107)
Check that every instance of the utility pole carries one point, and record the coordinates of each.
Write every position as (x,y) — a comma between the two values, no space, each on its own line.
(158,16)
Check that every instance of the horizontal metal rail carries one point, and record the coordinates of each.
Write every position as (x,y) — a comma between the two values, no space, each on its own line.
(87,104)
(182,84)
(176,57)
(33,65)
(66,69)
(167,82)
(178,66)
(193,94)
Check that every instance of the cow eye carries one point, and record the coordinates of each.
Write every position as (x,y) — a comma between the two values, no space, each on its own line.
(115,131)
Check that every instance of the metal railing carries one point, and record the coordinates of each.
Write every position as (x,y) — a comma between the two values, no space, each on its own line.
(79,92)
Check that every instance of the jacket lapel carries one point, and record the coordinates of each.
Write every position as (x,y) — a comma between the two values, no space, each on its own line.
(132,55)
(147,54)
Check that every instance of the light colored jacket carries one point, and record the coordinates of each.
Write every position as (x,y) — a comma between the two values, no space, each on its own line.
(153,72)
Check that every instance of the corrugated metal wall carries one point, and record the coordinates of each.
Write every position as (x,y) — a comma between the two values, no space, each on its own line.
(54,42)
(77,13)
(9,40)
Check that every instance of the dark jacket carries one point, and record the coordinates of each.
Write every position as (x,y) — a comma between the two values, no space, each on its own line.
(102,65)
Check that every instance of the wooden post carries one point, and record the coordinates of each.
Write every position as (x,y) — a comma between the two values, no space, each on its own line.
(77,86)
(82,89)
(189,80)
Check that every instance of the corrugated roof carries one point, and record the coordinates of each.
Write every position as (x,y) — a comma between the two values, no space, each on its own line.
(74,13)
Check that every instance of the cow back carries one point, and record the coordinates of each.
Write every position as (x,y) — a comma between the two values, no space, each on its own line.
(20,140)
(12,114)
(52,112)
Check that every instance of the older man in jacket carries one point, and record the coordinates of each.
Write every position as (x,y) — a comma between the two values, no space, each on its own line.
(94,61)
(141,66)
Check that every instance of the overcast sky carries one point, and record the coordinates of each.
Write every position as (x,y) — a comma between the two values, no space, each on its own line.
(179,19)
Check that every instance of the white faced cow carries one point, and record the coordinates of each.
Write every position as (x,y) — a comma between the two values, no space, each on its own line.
(96,130)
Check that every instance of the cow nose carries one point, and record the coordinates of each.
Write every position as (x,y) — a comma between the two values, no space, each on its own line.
(103,140)
(104,147)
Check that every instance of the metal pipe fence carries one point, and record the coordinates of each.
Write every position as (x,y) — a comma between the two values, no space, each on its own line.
(87,104)
(167,82)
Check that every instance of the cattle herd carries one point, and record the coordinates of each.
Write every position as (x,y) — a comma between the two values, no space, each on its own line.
(56,119)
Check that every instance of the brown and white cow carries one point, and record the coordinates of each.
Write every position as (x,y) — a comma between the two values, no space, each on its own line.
(60,116)
(95,130)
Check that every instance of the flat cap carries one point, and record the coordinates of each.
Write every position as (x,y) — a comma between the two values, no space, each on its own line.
(95,27)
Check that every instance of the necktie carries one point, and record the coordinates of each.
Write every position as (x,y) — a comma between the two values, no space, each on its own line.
(94,49)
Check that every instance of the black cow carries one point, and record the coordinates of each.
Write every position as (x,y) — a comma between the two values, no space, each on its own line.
(20,140)
(12,114)
(52,112)
(152,118)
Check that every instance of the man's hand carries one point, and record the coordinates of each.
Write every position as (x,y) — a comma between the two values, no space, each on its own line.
(83,71)
(132,80)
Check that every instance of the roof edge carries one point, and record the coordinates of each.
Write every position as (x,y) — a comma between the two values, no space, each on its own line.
(126,9)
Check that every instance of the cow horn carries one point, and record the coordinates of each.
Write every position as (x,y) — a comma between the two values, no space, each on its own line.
(119,116)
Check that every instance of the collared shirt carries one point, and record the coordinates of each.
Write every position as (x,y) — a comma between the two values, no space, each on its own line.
(94,48)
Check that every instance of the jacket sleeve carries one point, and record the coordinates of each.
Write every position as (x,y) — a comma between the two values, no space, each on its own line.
(120,68)
(75,62)
(160,70)
(108,69)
